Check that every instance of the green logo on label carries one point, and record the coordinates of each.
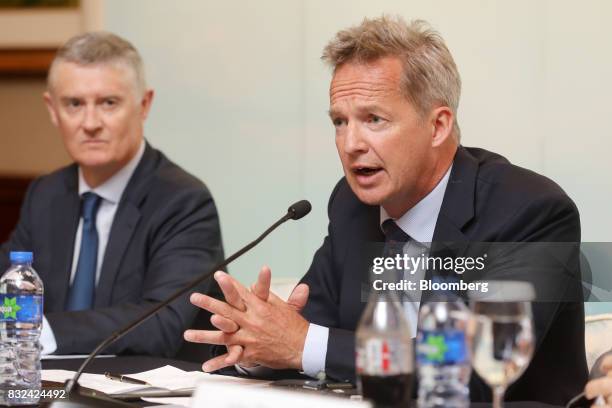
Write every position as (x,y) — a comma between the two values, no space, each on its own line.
(437,348)
(10,308)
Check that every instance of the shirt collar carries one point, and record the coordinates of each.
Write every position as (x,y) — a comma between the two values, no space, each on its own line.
(112,189)
(420,221)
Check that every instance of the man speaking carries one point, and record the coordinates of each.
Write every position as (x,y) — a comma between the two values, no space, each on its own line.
(393,103)
(123,227)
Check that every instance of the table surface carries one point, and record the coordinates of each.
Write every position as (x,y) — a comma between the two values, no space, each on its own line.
(136,364)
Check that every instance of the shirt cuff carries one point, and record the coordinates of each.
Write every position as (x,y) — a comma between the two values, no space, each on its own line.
(47,338)
(315,350)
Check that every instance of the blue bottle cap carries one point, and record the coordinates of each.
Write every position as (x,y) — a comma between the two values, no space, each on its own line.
(21,257)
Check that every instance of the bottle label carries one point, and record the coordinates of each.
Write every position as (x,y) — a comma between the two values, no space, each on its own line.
(21,308)
(441,347)
(384,357)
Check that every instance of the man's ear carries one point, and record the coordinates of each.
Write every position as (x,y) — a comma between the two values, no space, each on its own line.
(146,102)
(442,120)
(51,108)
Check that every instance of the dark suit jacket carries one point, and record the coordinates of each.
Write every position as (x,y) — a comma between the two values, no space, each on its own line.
(165,232)
(487,200)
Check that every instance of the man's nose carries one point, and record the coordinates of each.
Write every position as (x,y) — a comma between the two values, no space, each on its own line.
(354,141)
(92,120)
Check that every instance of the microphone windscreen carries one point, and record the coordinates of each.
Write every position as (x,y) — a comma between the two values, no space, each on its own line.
(299,209)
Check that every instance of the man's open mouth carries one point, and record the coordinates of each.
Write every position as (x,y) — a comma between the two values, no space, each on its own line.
(366,171)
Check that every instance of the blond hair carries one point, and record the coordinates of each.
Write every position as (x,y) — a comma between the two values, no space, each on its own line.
(430,76)
(100,48)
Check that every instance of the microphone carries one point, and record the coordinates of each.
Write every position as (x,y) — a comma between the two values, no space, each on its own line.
(76,398)
(299,209)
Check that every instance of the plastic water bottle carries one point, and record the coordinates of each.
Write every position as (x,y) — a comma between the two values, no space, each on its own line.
(384,358)
(21,314)
(443,358)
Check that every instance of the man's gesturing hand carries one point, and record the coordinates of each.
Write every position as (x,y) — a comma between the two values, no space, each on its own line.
(261,289)
(602,386)
(257,326)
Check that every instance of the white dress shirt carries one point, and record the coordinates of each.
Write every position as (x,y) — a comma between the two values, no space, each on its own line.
(110,191)
(419,223)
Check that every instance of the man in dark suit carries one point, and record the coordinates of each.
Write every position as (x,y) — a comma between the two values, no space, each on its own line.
(393,102)
(123,227)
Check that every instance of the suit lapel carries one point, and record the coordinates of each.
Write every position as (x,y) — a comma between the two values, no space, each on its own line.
(368,240)
(64,210)
(449,239)
(124,224)
(458,203)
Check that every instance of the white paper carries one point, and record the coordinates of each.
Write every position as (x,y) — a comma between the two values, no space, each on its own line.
(95,381)
(165,378)
(174,379)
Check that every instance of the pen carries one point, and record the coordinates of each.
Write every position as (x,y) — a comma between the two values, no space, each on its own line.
(124,379)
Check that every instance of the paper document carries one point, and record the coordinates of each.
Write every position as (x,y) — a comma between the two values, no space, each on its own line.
(165,378)
(94,381)
(175,379)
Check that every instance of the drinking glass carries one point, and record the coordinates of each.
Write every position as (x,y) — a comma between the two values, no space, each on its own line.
(502,339)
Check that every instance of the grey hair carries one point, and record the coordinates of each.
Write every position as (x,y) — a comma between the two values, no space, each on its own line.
(99,48)
(430,75)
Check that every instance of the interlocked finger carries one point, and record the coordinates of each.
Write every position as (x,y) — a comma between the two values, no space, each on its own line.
(261,288)
(209,337)
(234,352)
(600,386)
(224,324)
(215,306)
(216,363)
(228,288)
(247,297)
